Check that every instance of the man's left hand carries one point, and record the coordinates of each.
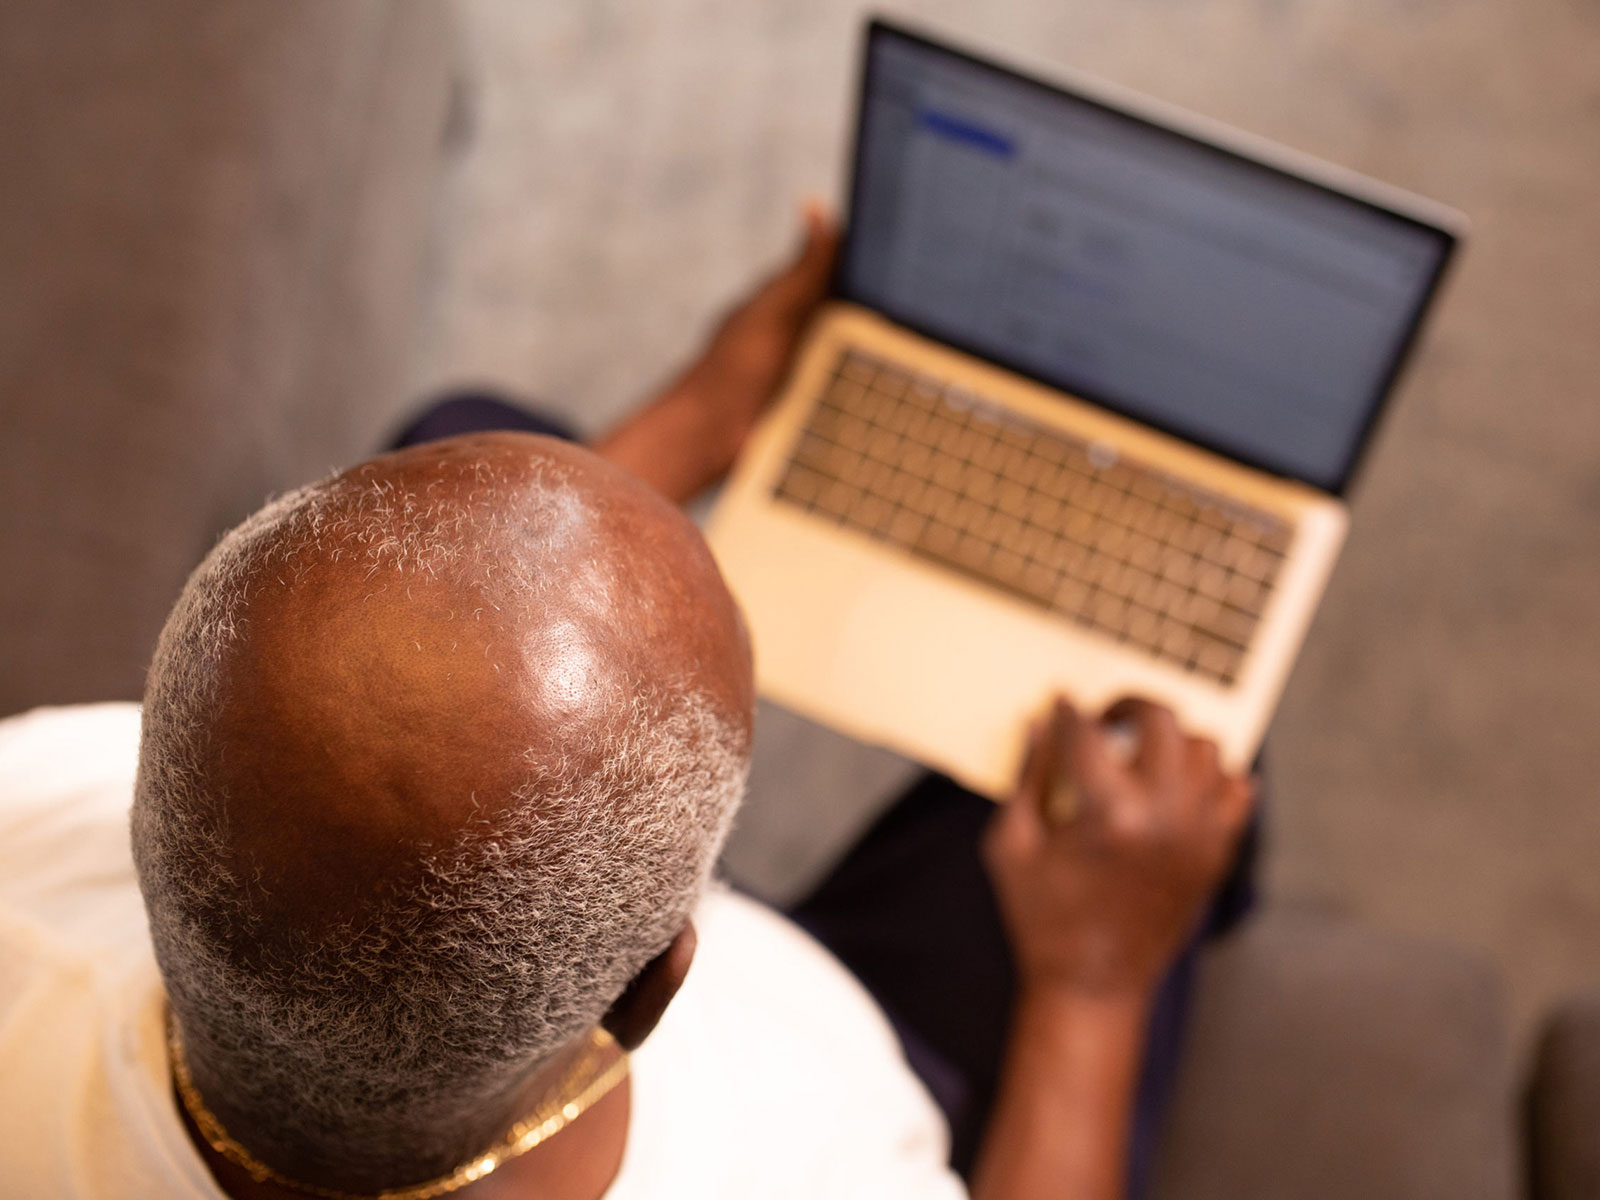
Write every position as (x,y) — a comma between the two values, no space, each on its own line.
(689,436)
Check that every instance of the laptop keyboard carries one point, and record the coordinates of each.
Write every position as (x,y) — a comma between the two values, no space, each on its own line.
(1070,526)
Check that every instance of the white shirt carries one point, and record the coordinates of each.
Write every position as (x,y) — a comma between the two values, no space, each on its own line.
(772,1074)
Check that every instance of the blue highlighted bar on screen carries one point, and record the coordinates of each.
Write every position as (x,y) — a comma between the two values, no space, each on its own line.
(972,135)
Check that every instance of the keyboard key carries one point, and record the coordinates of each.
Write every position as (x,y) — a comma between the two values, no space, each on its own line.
(939,539)
(1177,640)
(1215,658)
(1007,567)
(1074,559)
(1012,498)
(1072,595)
(1146,590)
(1246,594)
(1144,553)
(925,394)
(1039,581)
(1012,534)
(1178,568)
(800,484)
(873,513)
(838,499)
(1231,626)
(1211,580)
(1080,525)
(981,485)
(1144,626)
(1110,611)
(1033,471)
(1276,539)
(973,552)
(906,526)
(949,472)
(892,382)
(883,445)
(992,456)
(941,504)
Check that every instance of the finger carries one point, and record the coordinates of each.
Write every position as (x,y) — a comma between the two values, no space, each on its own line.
(818,217)
(1159,754)
(1203,776)
(1015,831)
(1031,777)
(1201,757)
(1237,801)
(1061,798)
(1019,826)
(803,284)
(1048,750)
(1092,763)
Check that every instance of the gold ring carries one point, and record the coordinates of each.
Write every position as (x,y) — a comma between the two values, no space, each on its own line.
(1062,802)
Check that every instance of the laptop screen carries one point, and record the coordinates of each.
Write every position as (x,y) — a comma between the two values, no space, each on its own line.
(1207,294)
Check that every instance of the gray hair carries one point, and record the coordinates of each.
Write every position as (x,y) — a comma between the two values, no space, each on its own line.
(356,1047)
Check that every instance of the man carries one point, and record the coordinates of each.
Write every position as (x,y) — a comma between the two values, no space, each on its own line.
(436,758)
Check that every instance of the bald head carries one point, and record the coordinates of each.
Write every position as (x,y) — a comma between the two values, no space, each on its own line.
(437,754)
(442,625)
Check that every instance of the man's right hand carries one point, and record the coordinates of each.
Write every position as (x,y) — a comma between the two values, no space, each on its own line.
(1103,864)
(1099,900)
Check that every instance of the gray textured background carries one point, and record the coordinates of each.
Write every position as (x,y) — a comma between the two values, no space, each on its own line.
(630,167)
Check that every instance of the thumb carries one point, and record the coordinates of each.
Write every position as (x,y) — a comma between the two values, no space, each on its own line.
(803,284)
(1017,827)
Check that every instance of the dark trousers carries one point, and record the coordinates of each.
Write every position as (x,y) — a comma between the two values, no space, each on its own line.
(910,912)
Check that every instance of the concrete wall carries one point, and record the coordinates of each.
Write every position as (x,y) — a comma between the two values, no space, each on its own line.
(211,228)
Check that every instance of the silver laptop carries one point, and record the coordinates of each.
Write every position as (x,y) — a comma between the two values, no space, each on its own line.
(1079,416)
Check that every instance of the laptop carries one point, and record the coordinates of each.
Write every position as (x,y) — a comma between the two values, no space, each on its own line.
(1079,416)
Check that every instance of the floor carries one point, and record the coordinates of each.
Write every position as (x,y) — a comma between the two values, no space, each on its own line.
(626,169)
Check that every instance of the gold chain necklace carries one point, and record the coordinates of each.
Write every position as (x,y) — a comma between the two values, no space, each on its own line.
(587,1083)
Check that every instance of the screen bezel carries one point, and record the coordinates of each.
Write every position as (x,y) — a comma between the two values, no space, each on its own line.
(1378,402)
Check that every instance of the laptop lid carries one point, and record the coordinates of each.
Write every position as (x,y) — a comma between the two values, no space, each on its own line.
(1252,309)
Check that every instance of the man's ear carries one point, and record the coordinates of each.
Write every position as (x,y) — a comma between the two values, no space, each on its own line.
(642,1002)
